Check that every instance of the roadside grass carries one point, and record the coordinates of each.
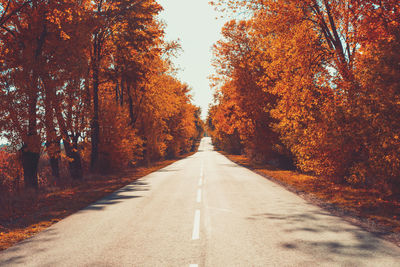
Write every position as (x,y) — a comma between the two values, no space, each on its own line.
(27,213)
(368,204)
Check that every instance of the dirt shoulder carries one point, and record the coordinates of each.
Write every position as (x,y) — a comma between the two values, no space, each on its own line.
(26,214)
(366,208)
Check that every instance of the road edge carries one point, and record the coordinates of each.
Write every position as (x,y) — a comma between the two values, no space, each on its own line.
(364,223)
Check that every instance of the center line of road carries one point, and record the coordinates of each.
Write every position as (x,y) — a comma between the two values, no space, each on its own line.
(196,227)
(193,265)
(200,181)
(198,195)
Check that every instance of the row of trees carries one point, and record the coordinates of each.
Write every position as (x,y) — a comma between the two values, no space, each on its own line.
(90,81)
(313,83)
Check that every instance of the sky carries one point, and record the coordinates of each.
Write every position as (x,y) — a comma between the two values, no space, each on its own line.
(194,23)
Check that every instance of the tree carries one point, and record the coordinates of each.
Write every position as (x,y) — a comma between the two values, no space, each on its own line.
(328,70)
(116,21)
(34,49)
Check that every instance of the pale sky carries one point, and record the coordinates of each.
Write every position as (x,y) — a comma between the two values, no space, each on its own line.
(194,23)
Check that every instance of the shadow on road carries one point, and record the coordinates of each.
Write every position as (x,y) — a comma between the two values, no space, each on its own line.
(233,165)
(316,232)
(17,253)
(165,170)
(119,196)
(47,235)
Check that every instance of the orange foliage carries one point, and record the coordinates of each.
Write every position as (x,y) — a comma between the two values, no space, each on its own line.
(90,82)
(244,106)
(120,146)
(324,76)
(10,172)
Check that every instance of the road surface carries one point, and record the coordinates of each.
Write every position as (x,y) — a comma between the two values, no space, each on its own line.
(202,211)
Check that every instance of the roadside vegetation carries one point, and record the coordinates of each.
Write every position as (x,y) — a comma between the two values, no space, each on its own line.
(87,88)
(312,88)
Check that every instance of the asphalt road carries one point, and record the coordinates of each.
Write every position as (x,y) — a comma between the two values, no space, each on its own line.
(202,211)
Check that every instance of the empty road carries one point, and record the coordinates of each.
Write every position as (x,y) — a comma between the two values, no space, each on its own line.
(203,210)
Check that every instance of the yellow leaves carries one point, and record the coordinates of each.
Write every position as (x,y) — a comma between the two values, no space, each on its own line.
(68,159)
(64,35)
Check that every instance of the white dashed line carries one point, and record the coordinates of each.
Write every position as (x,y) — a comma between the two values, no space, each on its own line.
(193,265)
(196,227)
(198,195)
(200,181)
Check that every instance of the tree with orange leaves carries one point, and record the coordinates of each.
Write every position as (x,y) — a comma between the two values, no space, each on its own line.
(81,74)
(239,68)
(327,64)
(377,70)
(115,20)
(31,48)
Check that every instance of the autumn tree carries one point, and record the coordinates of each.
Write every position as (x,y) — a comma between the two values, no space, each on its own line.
(10,9)
(117,21)
(377,70)
(30,46)
(326,65)
(238,61)
(81,74)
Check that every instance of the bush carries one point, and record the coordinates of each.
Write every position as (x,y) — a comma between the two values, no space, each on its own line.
(10,172)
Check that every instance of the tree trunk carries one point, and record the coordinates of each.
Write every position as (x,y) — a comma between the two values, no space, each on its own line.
(95,122)
(31,147)
(32,144)
(55,169)
(52,142)
(130,103)
(54,152)
(75,166)
(30,161)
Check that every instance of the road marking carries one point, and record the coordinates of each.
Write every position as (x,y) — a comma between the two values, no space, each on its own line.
(193,265)
(200,181)
(196,227)
(198,195)
(201,169)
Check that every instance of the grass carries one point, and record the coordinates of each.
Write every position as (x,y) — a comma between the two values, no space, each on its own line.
(366,204)
(23,215)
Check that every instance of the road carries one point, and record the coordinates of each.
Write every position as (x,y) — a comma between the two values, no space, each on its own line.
(203,210)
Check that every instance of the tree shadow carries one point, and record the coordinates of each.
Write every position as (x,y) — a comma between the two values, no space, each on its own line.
(119,196)
(234,165)
(134,186)
(316,232)
(18,254)
(12,260)
(165,170)
(102,204)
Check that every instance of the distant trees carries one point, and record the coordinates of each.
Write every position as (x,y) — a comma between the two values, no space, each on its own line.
(320,80)
(89,81)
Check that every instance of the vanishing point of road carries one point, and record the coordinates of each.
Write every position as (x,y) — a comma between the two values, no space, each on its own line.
(203,210)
